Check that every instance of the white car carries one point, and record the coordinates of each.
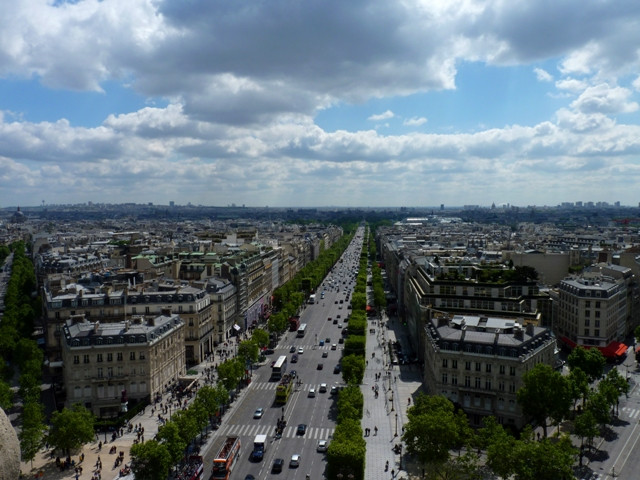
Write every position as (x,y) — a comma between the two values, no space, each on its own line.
(295,461)
(312,393)
(323,445)
(323,388)
(258,413)
(333,346)
(300,351)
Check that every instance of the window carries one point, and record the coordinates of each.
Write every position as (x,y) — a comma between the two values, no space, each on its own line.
(587,322)
(467,365)
(467,381)
(597,313)
(76,359)
(109,357)
(454,363)
(147,310)
(596,332)
(487,384)
(512,371)
(445,378)
(597,324)
(119,356)
(501,386)
(444,363)
(85,359)
(109,372)
(120,371)
(512,387)
(586,332)
(141,356)
(132,355)
(478,366)
(502,369)
(100,374)
(488,368)
(478,382)
(587,313)
(99,357)
(454,380)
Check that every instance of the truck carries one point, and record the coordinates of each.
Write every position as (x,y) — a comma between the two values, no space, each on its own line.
(259,447)
(283,390)
(294,323)
(226,458)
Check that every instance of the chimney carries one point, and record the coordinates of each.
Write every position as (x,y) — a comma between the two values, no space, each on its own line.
(530,329)
(127,325)
(151,321)
(166,311)
(518,333)
(96,327)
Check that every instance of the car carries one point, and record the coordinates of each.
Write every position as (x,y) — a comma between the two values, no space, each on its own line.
(300,351)
(292,349)
(293,373)
(322,446)
(325,354)
(323,388)
(339,325)
(341,301)
(340,307)
(320,366)
(334,390)
(295,461)
(338,316)
(329,319)
(322,343)
(294,358)
(258,413)
(249,477)
(341,339)
(333,346)
(336,302)
(268,351)
(302,429)
(337,369)
(335,321)
(312,393)
(327,340)
(277,465)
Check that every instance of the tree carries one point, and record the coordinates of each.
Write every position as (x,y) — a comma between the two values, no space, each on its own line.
(248,351)
(578,385)
(544,459)
(169,436)
(499,444)
(261,337)
(545,393)
(590,361)
(230,372)
(586,426)
(150,460)
(71,428)
(353,367)
(433,430)
(6,396)
(32,432)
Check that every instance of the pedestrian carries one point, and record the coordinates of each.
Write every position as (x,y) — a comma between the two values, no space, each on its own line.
(375,430)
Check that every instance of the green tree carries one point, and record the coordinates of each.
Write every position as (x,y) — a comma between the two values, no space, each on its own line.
(71,428)
(353,367)
(261,337)
(187,425)
(32,432)
(248,351)
(6,395)
(578,385)
(545,393)
(499,445)
(150,460)
(547,458)
(590,361)
(585,425)
(230,372)
(433,430)
(169,436)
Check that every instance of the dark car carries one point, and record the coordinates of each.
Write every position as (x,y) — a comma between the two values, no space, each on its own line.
(302,429)
(277,465)
(337,369)
(294,358)
(320,366)
(292,349)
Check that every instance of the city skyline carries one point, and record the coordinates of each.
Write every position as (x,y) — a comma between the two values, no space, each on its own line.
(358,104)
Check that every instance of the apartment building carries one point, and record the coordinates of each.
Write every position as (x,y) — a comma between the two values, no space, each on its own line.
(478,362)
(106,365)
(596,309)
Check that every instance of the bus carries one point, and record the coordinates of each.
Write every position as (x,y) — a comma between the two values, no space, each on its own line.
(312,298)
(225,460)
(302,330)
(279,368)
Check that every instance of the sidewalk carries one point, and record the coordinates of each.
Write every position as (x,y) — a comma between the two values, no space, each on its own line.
(387,412)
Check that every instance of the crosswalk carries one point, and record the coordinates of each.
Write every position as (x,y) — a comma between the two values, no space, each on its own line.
(271,386)
(631,413)
(249,430)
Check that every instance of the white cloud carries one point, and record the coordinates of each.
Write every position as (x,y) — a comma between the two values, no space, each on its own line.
(571,84)
(414,121)
(382,116)
(605,99)
(542,75)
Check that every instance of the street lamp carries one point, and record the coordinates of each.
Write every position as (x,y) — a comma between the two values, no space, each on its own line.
(392,409)
(396,434)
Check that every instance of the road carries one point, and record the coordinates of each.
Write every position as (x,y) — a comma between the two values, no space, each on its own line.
(319,412)
(617,456)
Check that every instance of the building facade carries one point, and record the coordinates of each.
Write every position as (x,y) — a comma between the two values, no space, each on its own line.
(106,365)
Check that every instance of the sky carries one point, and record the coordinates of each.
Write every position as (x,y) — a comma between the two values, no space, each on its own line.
(302,103)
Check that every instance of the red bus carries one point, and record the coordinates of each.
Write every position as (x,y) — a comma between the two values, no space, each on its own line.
(294,323)
(226,458)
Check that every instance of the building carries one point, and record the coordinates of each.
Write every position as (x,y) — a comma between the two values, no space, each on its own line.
(594,309)
(478,362)
(110,366)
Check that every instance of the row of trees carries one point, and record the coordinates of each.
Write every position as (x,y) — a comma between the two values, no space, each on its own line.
(584,401)
(19,354)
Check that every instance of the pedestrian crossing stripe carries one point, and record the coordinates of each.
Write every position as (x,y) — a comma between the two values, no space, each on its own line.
(631,412)
(313,433)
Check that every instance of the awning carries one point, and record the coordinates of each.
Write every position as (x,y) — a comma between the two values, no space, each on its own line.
(236,328)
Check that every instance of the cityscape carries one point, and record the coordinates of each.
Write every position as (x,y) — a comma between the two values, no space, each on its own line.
(142,313)
(361,240)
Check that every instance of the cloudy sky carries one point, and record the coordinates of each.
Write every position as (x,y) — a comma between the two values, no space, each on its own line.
(320,102)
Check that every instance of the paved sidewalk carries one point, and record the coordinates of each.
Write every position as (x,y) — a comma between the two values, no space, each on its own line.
(389,416)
